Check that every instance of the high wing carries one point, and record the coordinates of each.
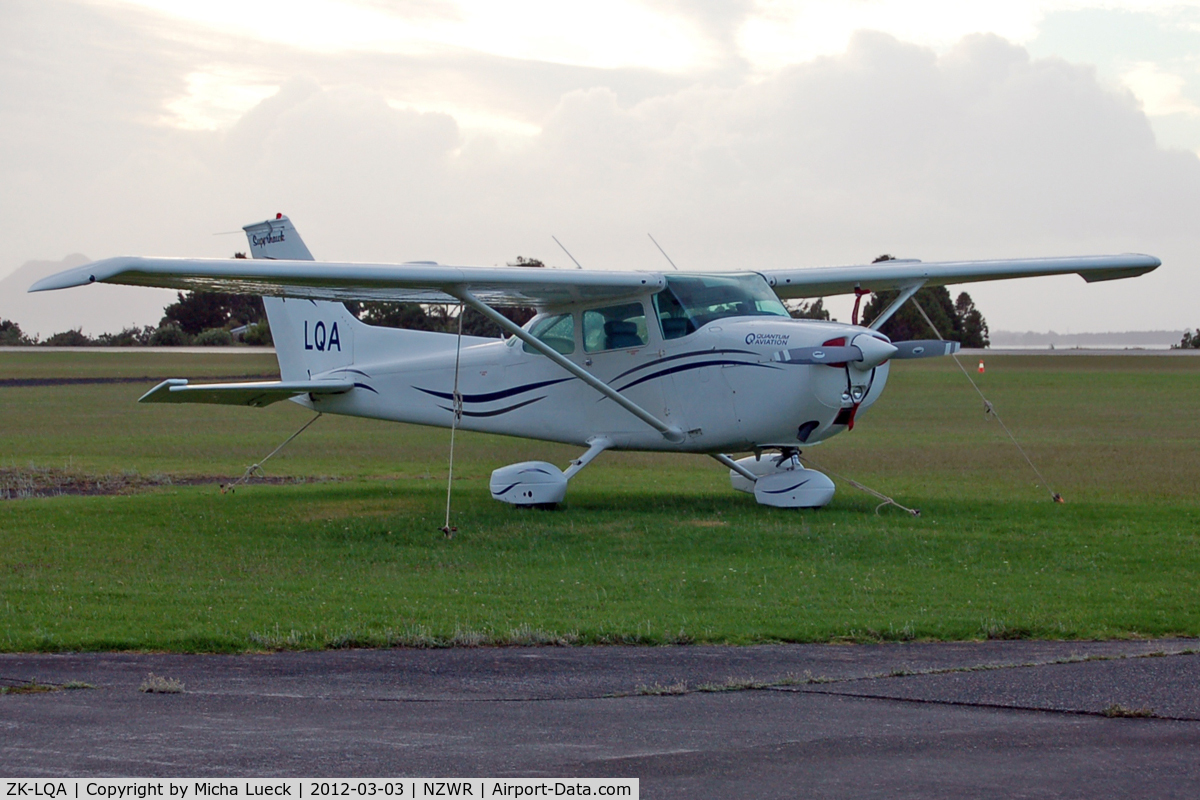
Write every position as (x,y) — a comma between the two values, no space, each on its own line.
(428,282)
(902,273)
(417,282)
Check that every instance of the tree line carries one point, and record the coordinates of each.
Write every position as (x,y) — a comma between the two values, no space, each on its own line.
(1190,341)
(213,319)
(958,321)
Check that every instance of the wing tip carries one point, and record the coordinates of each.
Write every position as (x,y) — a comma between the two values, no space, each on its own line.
(156,394)
(79,276)
(94,272)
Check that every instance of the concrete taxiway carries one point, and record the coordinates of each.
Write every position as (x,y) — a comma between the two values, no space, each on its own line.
(986,719)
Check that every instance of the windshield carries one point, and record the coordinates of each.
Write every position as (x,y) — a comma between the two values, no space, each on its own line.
(557,331)
(692,301)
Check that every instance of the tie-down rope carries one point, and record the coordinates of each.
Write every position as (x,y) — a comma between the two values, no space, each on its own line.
(887,501)
(990,410)
(256,468)
(449,529)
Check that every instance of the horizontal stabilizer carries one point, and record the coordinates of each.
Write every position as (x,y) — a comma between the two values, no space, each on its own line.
(925,348)
(257,394)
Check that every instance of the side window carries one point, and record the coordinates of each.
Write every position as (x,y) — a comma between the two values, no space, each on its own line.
(672,319)
(614,328)
(557,331)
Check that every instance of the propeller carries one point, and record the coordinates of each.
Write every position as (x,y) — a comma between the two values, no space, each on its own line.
(867,349)
(925,348)
(819,355)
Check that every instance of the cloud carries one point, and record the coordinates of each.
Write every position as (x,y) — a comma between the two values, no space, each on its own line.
(887,142)
(1160,92)
(613,34)
(216,97)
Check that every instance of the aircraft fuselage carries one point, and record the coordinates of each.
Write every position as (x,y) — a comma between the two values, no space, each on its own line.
(718,384)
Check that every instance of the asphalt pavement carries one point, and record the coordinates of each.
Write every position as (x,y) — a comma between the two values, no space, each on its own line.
(984,719)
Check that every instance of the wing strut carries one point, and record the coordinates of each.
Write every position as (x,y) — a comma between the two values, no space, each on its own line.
(735,466)
(901,299)
(669,432)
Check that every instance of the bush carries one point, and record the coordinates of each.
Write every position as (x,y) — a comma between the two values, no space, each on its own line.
(73,338)
(197,312)
(11,335)
(1190,341)
(258,335)
(169,336)
(214,337)
(814,310)
(128,337)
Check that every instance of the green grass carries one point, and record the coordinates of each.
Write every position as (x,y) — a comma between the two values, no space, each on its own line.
(649,548)
(108,362)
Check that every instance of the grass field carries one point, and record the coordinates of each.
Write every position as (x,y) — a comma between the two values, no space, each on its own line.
(648,548)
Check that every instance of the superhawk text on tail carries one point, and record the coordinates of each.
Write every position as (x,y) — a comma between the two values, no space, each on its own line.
(707,363)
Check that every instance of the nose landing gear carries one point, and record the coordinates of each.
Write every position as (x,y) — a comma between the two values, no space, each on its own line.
(780,481)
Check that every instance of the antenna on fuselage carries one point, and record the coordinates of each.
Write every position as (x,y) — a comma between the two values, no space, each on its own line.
(565,250)
(664,252)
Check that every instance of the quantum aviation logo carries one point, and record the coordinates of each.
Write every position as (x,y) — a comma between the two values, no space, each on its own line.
(772,339)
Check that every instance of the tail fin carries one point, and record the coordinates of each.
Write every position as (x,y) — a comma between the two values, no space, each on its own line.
(311,337)
(276,239)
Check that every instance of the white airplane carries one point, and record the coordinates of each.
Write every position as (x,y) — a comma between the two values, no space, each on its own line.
(676,362)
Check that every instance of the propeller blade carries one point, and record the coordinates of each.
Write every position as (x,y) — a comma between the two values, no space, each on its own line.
(819,355)
(925,348)
(868,350)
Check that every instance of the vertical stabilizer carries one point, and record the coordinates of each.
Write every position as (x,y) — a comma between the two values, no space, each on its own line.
(311,337)
(276,238)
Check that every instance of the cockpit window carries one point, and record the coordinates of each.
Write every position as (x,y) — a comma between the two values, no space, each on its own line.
(557,331)
(692,301)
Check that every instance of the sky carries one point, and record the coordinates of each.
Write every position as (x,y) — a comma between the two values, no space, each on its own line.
(742,134)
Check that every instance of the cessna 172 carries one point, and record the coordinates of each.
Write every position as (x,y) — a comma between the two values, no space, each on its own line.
(707,363)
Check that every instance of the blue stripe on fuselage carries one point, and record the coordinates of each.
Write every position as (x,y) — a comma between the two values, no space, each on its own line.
(488,397)
(681,355)
(498,411)
(695,365)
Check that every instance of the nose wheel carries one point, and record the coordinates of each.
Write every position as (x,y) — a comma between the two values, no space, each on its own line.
(780,480)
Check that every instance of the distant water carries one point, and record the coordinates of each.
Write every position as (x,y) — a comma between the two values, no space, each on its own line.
(1115,340)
